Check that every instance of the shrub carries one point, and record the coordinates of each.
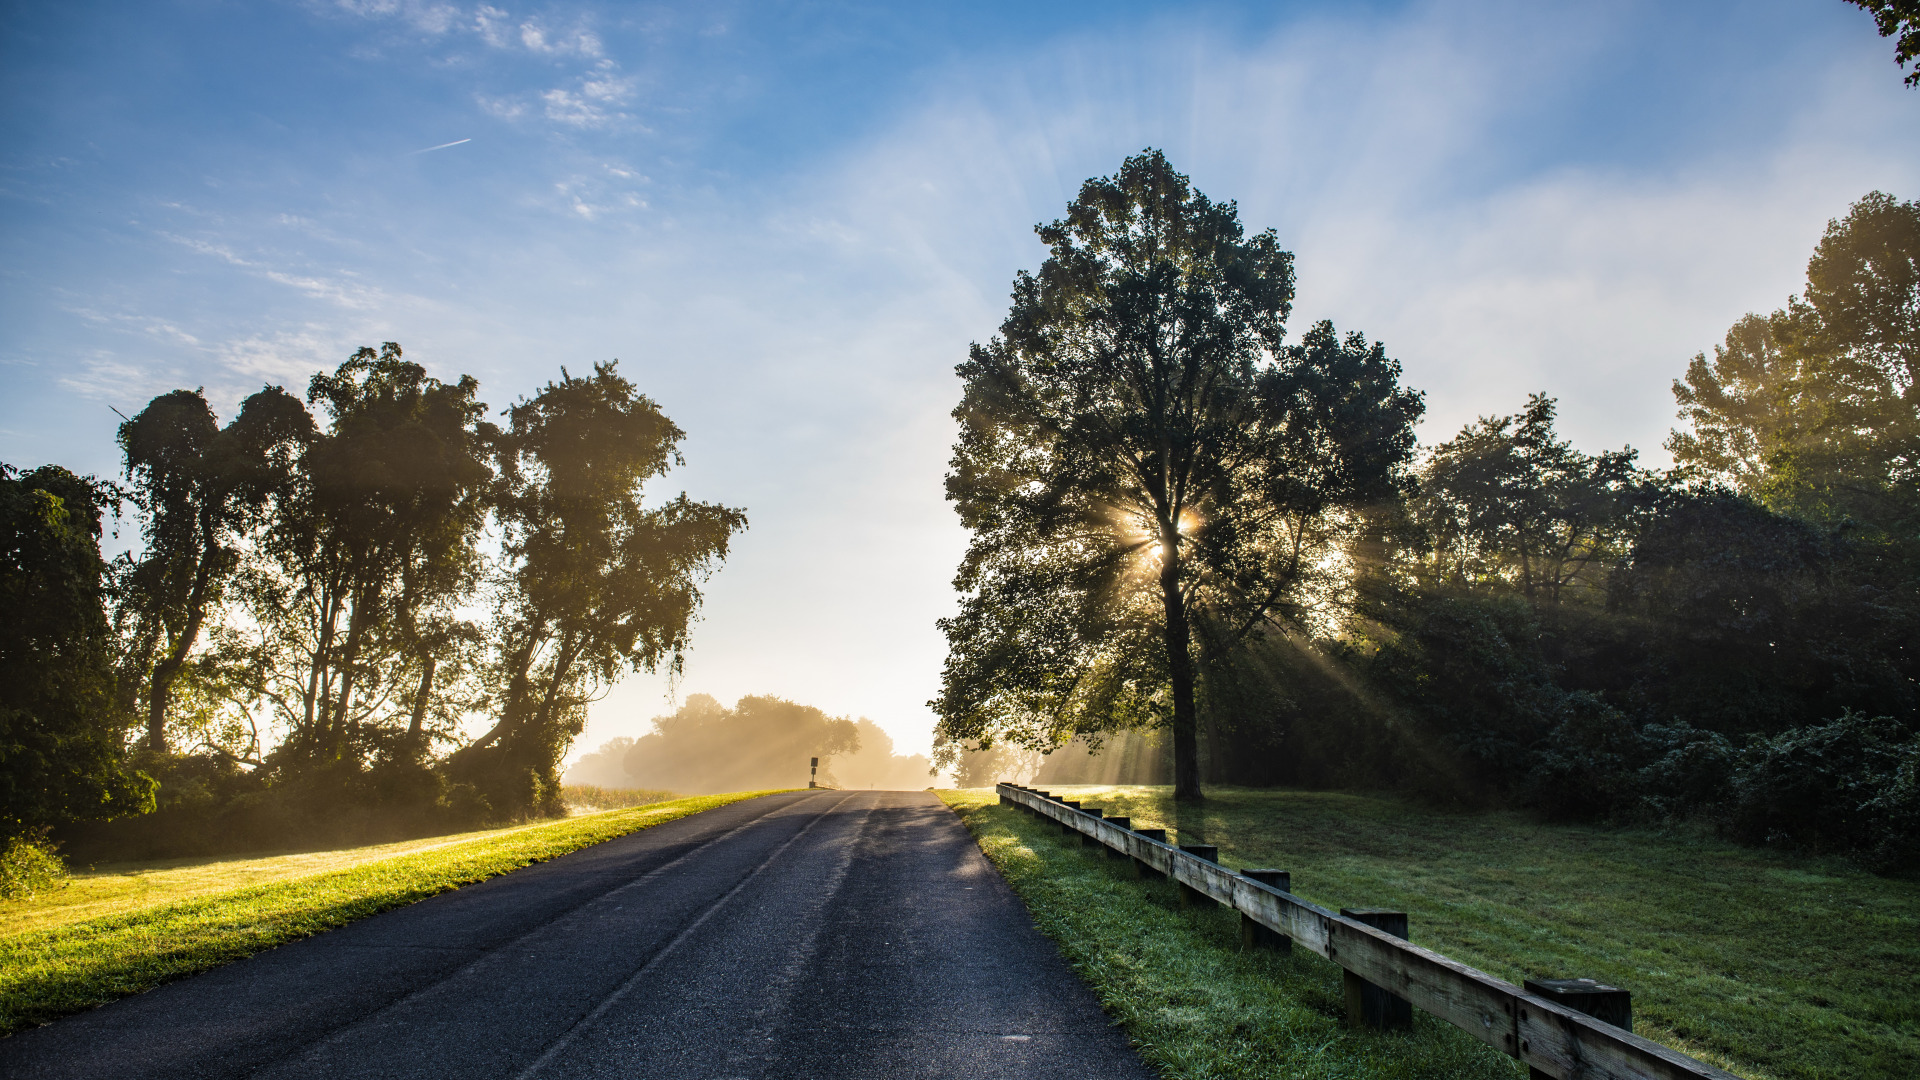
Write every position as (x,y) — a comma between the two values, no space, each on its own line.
(1846,785)
(1688,770)
(29,866)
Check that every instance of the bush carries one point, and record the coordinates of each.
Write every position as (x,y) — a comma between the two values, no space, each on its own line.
(1846,785)
(28,867)
(1582,768)
(1689,770)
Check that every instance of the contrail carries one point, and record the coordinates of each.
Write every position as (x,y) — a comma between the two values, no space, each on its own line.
(442,146)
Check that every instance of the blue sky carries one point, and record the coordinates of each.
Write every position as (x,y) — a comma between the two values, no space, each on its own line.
(788,220)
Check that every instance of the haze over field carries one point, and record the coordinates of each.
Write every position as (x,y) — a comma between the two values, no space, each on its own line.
(788,229)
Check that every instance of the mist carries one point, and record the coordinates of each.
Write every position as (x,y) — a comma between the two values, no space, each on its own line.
(761,742)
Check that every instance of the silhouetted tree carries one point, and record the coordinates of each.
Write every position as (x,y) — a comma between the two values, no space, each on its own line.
(1139,456)
(1507,501)
(379,533)
(61,756)
(200,488)
(595,582)
(762,742)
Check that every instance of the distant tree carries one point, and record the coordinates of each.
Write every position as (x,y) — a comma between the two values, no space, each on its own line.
(1815,409)
(1900,20)
(605,767)
(1506,500)
(595,582)
(200,489)
(762,742)
(875,765)
(61,757)
(1147,470)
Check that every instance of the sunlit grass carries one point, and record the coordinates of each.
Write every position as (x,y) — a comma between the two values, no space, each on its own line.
(1768,965)
(1176,979)
(119,933)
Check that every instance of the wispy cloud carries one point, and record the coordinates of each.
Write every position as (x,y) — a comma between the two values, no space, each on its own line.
(427,16)
(578,41)
(595,103)
(343,289)
(442,146)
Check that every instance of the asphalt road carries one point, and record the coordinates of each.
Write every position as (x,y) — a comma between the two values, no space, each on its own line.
(821,935)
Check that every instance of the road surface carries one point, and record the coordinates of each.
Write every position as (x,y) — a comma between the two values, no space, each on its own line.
(822,934)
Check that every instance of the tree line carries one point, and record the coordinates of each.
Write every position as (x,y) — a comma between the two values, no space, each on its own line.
(1182,520)
(761,742)
(326,590)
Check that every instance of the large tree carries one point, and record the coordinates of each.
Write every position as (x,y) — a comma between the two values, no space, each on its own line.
(200,488)
(595,582)
(371,552)
(1148,471)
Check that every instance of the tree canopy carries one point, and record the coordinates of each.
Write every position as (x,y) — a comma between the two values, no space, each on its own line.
(1899,20)
(1148,470)
(60,737)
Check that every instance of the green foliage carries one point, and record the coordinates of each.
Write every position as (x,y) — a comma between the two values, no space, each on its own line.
(209,804)
(1900,20)
(199,488)
(297,627)
(1147,470)
(1812,409)
(49,973)
(29,866)
(1507,502)
(61,757)
(369,557)
(596,583)
(1850,784)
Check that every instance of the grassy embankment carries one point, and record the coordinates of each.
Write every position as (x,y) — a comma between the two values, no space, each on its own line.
(118,930)
(1768,965)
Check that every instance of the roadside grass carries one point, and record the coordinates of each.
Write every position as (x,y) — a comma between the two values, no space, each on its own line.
(110,888)
(1195,1005)
(581,798)
(1772,966)
(195,917)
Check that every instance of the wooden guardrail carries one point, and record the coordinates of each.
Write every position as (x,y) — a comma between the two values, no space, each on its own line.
(1550,1037)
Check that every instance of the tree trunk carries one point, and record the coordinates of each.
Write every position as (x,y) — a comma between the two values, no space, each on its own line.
(175,658)
(1186,743)
(420,700)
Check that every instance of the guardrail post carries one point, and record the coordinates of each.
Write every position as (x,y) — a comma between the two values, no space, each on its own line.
(1369,1005)
(1125,823)
(1141,869)
(1190,896)
(1252,934)
(1088,839)
(1606,1003)
(1067,829)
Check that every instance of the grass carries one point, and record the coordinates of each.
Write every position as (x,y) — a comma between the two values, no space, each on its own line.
(581,798)
(1775,967)
(1195,1005)
(120,931)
